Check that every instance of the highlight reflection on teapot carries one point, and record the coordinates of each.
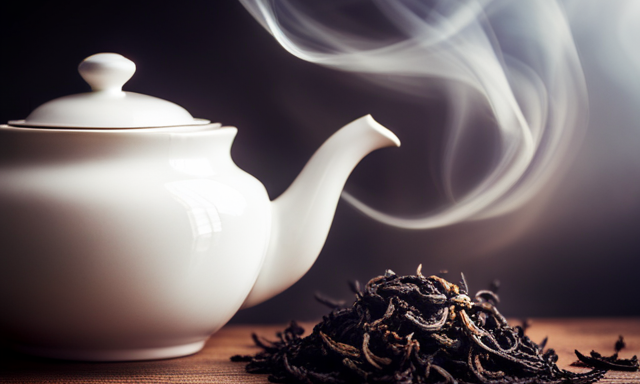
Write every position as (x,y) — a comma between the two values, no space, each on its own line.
(128,233)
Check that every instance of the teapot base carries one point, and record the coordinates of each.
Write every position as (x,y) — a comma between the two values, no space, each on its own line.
(112,354)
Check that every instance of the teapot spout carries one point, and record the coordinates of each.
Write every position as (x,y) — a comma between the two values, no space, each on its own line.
(302,215)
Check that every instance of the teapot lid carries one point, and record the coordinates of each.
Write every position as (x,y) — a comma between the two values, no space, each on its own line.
(107,106)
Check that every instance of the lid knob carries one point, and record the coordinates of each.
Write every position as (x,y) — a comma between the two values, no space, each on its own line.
(106,72)
(107,107)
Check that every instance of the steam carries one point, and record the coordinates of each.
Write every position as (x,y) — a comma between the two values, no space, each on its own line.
(516,58)
(616,39)
(629,30)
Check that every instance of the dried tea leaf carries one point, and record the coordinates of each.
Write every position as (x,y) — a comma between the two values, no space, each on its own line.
(414,329)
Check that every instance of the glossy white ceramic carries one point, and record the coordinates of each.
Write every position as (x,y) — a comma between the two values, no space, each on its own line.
(133,244)
(107,106)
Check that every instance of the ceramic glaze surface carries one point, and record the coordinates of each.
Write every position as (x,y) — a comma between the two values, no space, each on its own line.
(108,106)
(139,243)
(157,248)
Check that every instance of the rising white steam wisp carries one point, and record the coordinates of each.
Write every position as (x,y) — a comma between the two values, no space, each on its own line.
(629,31)
(518,57)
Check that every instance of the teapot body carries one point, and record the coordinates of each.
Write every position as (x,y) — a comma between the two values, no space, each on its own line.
(128,233)
(124,244)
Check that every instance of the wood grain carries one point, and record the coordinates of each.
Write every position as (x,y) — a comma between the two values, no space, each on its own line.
(212,364)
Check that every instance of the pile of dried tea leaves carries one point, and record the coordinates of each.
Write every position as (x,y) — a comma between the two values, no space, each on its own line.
(412,329)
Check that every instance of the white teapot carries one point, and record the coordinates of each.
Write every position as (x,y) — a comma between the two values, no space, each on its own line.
(128,233)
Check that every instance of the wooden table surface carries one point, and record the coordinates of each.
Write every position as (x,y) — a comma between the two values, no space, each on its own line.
(212,364)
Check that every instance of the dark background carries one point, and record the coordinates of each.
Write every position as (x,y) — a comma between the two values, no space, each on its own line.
(574,253)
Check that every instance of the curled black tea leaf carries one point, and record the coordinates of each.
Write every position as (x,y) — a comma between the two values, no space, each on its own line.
(412,329)
(613,362)
(596,360)
(619,345)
